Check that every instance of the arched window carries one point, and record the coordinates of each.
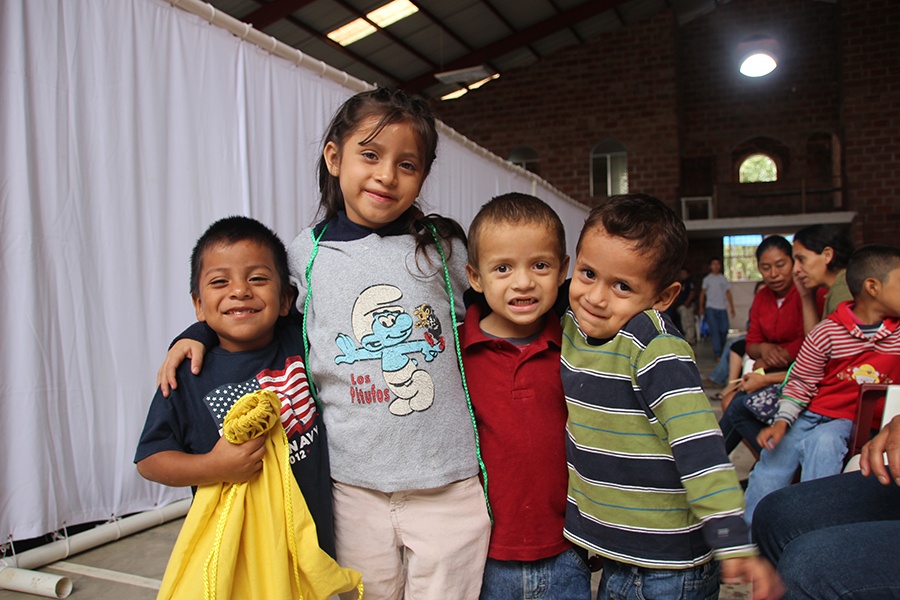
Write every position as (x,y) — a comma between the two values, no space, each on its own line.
(526,157)
(609,169)
(758,168)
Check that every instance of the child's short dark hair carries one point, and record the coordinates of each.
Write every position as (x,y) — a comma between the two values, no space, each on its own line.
(875,261)
(231,230)
(656,230)
(515,208)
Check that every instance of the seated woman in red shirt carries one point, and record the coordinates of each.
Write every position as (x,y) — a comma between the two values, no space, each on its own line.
(776,315)
(773,339)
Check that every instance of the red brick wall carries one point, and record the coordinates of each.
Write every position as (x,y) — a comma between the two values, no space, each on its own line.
(671,94)
(621,86)
(871,116)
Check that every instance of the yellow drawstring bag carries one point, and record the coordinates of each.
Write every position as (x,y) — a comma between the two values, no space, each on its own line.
(255,539)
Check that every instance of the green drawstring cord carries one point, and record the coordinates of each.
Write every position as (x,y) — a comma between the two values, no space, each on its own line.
(308,274)
(462,370)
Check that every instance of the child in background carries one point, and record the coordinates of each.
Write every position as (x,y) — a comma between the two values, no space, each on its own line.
(715,305)
(239,286)
(650,487)
(517,259)
(380,290)
(858,343)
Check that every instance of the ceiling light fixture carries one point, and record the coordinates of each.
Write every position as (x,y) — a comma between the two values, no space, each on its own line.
(455,95)
(758,56)
(463,77)
(383,16)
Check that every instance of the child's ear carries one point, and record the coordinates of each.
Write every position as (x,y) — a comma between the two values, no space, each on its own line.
(198,308)
(667,296)
(332,156)
(474,279)
(288,297)
(872,287)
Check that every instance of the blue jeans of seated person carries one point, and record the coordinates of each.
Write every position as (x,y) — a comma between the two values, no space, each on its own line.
(720,372)
(833,538)
(628,582)
(815,443)
(717,319)
(738,423)
(565,576)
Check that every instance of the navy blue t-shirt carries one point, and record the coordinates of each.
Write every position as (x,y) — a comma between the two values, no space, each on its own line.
(190,419)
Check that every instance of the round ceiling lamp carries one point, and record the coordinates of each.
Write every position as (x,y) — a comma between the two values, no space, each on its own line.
(758,56)
(758,65)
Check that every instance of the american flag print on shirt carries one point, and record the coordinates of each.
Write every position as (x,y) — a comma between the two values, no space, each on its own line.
(297,406)
(298,410)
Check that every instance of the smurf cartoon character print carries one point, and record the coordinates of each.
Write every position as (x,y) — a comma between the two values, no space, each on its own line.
(384,330)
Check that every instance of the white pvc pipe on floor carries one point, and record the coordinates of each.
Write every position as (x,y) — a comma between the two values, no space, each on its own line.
(34,582)
(13,568)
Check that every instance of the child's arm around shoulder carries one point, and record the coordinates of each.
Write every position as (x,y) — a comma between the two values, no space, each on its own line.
(226,462)
(192,344)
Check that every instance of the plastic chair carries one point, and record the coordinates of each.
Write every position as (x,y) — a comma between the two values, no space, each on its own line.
(873,397)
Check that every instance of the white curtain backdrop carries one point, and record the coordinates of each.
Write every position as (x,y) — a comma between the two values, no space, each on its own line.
(126,128)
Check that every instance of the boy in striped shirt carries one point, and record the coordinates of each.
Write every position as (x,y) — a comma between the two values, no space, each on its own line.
(858,343)
(651,488)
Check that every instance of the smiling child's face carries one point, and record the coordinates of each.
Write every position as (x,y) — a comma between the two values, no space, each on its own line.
(240,294)
(611,284)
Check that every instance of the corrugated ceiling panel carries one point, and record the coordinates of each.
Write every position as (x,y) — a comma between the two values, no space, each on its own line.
(477,26)
(324,15)
(555,42)
(287,32)
(593,28)
(523,17)
(515,60)
(436,44)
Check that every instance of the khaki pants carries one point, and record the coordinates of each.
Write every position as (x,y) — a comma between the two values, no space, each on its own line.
(416,544)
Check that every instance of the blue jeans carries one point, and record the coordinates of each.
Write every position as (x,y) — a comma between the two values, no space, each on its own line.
(717,320)
(627,582)
(720,372)
(833,538)
(814,443)
(738,423)
(565,576)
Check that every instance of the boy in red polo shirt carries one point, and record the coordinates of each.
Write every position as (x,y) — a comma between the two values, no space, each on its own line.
(511,352)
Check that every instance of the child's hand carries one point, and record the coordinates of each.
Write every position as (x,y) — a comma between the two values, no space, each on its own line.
(764,580)
(770,436)
(180,350)
(236,463)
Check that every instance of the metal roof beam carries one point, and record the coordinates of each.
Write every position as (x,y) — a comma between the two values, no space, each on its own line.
(516,40)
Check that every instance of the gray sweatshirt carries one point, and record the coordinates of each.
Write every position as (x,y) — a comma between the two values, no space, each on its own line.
(383,357)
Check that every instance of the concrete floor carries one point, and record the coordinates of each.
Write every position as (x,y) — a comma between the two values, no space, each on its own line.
(132,568)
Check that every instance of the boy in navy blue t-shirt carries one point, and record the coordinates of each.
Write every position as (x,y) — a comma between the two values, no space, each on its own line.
(240,288)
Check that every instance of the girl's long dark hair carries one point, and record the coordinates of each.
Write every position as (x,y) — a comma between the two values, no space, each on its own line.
(390,106)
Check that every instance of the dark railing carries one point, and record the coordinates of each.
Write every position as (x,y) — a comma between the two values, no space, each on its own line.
(776,198)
